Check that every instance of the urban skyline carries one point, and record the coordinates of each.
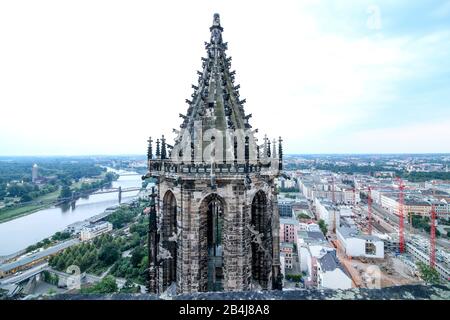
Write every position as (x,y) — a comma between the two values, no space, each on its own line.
(360,77)
(332,179)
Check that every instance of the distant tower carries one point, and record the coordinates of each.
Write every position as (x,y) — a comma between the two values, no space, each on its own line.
(34,173)
(217,212)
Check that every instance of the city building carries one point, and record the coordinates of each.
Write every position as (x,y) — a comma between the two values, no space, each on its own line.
(305,239)
(326,211)
(283,265)
(287,249)
(306,188)
(321,186)
(415,202)
(285,208)
(91,231)
(358,245)
(34,258)
(330,273)
(287,183)
(419,250)
(34,173)
(288,230)
(313,227)
(324,270)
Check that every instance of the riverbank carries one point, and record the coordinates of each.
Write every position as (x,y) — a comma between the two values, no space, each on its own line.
(61,240)
(49,200)
(43,202)
(28,230)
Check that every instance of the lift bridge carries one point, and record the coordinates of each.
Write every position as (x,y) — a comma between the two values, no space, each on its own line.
(119,190)
(75,195)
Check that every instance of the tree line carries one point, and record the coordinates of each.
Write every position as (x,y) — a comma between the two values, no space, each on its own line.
(125,252)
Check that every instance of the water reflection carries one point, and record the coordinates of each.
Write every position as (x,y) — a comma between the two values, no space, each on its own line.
(19,233)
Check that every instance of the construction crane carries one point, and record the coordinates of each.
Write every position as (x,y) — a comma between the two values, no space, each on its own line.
(401,200)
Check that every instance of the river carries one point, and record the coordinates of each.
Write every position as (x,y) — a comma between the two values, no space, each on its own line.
(19,233)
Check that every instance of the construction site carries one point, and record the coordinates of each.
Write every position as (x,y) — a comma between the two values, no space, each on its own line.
(376,245)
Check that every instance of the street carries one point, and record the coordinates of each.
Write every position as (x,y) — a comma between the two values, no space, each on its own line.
(21,276)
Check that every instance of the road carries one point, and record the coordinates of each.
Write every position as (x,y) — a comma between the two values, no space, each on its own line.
(16,278)
(86,277)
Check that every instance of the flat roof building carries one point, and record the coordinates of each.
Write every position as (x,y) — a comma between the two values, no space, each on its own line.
(360,245)
(93,230)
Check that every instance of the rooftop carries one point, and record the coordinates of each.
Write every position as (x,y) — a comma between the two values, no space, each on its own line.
(36,256)
(329,262)
(347,232)
(316,235)
(409,292)
(95,226)
(288,221)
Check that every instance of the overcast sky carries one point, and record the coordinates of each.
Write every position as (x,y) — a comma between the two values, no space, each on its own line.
(99,77)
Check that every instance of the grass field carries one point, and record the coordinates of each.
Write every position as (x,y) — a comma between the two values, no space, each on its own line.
(16,212)
(7,214)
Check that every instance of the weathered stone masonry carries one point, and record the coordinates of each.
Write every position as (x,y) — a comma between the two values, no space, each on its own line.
(217,214)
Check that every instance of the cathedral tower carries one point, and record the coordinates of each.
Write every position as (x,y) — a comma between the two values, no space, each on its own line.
(216,213)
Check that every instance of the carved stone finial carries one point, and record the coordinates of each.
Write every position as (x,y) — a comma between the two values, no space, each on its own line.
(158,150)
(149,149)
(163,148)
(216,20)
(216,30)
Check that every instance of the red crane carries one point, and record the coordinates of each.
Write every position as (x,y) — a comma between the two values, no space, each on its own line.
(369,209)
(401,231)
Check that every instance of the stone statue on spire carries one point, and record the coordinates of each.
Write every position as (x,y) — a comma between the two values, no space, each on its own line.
(216,20)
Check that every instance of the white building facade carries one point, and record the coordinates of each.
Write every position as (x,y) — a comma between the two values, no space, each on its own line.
(91,231)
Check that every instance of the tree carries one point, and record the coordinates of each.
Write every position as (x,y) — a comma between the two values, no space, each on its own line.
(26,198)
(140,229)
(53,261)
(2,194)
(111,176)
(61,236)
(60,263)
(50,278)
(294,277)
(65,192)
(303,216)
(129,287)
(136,256)
(428,274)
(106,285)
(323,226)
(108,254)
